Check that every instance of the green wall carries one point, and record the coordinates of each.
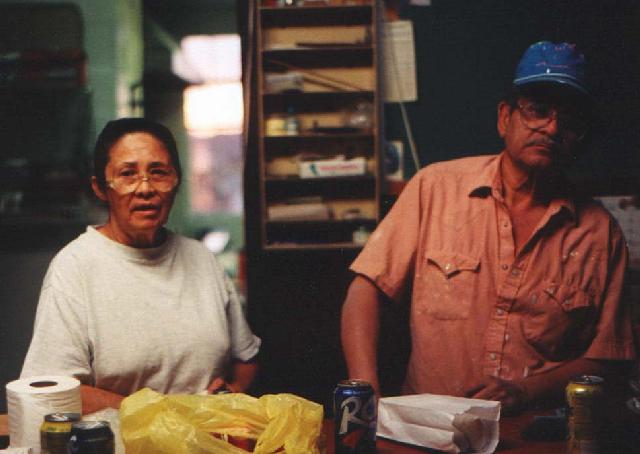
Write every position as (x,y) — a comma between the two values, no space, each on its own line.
(163,99)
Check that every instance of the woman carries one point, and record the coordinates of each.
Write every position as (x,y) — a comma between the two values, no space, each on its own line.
(129,304)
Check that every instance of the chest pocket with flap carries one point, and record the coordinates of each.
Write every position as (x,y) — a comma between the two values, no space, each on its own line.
(561,324)
(449,284)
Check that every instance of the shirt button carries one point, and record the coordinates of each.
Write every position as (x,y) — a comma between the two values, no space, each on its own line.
(506,337)
(492,356)
(505,267)
(447,267)
(505,225)
(515,272)
(500,311)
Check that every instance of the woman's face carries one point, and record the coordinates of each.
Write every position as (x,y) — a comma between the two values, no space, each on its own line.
(137,191)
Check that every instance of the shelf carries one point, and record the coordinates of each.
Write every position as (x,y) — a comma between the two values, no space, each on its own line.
(322,145)
(322,223)
(316,136)
(314,101)
(279,189)
(38,86)
(43,220)
(312,246)
(334,48)
(330,180)
(316,234)
(291,16)
(318,57)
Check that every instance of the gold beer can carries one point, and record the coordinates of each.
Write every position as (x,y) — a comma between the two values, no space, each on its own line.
(585,398)
(55,432)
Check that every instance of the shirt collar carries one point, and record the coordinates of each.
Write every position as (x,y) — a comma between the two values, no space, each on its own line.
(489,182)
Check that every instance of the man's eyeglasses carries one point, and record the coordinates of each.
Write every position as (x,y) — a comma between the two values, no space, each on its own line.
(536,115)
(127,181)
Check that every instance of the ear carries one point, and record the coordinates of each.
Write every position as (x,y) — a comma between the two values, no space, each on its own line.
(96,189)
(504,118)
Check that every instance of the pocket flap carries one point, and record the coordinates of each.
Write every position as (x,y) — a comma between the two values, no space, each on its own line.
(568,297)
(452,262)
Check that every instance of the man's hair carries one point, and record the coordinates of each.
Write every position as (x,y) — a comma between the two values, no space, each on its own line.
(116,129)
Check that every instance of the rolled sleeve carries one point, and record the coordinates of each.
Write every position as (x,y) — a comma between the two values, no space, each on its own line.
(389,255)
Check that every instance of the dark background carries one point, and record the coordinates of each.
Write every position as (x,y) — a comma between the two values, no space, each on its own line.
(466,54)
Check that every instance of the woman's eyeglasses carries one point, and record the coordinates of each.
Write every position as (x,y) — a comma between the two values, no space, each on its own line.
(128,180)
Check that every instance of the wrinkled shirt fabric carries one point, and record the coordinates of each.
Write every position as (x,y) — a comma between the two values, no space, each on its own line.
(121,318)
(479,309)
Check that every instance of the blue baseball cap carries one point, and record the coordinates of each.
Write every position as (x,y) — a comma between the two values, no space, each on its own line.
(556,63)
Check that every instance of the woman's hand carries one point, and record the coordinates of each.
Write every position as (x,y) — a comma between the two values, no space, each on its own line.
(94,399)
(219,384)
(243,374)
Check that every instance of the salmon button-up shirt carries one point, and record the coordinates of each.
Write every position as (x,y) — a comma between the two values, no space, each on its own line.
(477,308)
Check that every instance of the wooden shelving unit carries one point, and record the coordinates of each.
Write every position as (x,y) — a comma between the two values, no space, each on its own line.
(332,50)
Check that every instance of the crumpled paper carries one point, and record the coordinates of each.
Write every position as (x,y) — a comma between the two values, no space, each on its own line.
(450,424)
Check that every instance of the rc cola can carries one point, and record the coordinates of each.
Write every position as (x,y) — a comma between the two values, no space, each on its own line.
(356,414)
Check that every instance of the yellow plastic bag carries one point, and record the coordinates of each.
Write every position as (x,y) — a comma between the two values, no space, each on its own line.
(153,423)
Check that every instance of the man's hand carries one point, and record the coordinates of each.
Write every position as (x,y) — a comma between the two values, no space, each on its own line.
(513,397)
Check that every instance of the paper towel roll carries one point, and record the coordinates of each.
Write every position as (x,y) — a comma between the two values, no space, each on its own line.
(30,399)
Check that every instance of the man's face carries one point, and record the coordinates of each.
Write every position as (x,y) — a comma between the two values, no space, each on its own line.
(542,131)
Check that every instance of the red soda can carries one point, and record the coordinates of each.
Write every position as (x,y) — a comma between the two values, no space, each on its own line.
(356,415)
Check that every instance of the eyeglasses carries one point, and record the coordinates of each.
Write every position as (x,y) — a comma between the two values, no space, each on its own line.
(536,115)
(127,180)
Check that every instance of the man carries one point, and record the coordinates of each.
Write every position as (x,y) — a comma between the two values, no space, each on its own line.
(515,284)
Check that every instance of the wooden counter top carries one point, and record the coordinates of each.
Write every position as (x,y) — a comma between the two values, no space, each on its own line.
(511,441)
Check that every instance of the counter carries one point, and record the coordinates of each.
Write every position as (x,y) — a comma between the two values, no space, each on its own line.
(510,439)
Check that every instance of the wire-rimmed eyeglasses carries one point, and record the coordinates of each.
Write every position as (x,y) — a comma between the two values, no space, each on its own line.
(537,115)
(163,179)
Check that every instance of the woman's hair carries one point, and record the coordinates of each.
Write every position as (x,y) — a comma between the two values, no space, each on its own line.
(116,129)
